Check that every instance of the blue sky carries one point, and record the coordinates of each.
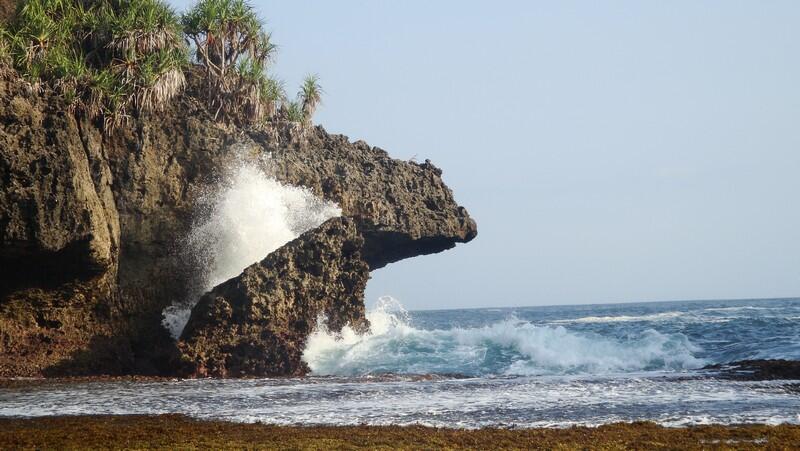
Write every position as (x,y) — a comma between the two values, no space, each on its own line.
(610,151)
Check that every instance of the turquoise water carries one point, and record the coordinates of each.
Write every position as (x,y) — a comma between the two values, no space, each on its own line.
(522,367)
(563,340)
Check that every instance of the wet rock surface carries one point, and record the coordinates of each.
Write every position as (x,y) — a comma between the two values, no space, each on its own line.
(758,370)
(256,324)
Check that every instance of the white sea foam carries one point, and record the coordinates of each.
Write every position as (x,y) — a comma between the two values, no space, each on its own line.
(665,316)
(240,220)
(572,390)
(508,347)
(558,401)
(735,309)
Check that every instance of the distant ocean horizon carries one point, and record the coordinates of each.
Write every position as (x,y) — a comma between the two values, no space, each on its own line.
(515,366)
(613,302)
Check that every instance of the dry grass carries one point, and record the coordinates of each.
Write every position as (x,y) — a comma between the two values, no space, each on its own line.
(179,432)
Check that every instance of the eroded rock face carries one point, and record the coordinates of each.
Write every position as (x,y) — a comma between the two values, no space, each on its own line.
(59,238)
(402,208)
(57,215)
(256,324)
(89,224)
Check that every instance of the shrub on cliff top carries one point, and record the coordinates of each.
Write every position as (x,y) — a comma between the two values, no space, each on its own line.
(234,50)
(145,50)
(293,111)
(5,53)
(107,58)
(110,59)
(310,95)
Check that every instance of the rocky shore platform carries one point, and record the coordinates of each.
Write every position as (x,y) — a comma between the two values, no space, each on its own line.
(757,370)
(180,432)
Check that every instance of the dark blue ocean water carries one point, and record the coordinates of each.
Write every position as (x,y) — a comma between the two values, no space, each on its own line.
(538,366)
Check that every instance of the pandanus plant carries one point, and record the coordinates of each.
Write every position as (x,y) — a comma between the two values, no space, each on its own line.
(293,111)
(44,29)
(231,45)
(108,58)
(141,39)
(113,58)
(310,96)
(5,53)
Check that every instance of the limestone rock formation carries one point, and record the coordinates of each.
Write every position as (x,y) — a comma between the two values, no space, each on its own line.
(256,324)
(59,235)
(89,223)
(402,208)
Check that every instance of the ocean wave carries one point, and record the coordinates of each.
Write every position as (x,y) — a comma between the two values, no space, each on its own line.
(736,309)
(624,318)
(507,347)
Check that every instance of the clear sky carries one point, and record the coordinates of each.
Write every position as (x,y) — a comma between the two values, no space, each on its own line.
(610,151)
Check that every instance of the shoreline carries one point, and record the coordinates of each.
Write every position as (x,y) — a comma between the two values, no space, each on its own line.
(741,370)
(171,431)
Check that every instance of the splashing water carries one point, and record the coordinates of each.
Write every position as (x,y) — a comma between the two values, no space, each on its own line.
(506,347)
(529,367)
(242,219)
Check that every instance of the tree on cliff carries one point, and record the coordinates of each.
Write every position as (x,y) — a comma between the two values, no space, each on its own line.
(310,95)
(107,58)
(234,50)
(111,59)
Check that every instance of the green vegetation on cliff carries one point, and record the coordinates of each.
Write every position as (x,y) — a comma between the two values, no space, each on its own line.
(5,52)
(114,59)
(106,58)
(234,50)
(310,95)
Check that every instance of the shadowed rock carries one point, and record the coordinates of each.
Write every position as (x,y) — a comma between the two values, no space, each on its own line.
(256,324)
(758,370)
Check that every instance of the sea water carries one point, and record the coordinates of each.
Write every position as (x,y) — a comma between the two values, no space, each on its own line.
(238,221)
(512,367)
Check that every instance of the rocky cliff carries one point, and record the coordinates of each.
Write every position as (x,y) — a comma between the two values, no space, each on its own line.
(88,222)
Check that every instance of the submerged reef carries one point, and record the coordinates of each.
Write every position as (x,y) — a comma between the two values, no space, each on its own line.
(175,431)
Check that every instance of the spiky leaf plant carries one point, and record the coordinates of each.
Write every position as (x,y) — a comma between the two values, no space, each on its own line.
(108,58)
(143,43)
(141,27)
(294,111)
(43,32)
(309,97)
(5,52)
(272,94)
(233,48)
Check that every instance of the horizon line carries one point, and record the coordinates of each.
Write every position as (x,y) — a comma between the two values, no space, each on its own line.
(781,298)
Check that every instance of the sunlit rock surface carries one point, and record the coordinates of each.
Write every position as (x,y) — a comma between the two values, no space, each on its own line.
(91,224)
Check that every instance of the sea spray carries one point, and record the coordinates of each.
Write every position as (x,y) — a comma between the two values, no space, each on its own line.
(671,398)
(510,347)
(239,221)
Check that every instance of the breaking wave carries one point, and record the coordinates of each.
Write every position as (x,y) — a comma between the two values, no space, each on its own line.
(504,348)
(665,316)
(245,216)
